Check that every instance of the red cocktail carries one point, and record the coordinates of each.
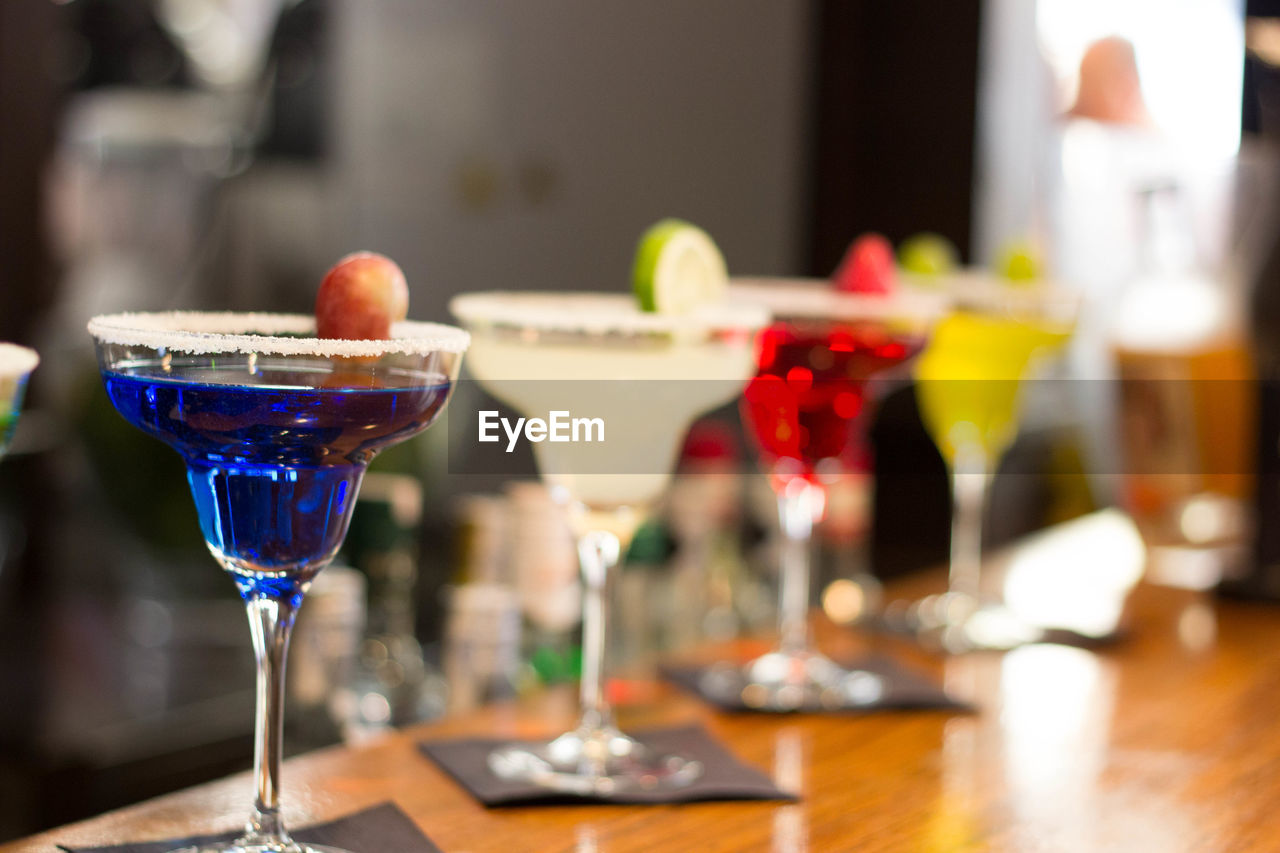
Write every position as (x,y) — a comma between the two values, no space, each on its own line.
(808,408)
(807,405)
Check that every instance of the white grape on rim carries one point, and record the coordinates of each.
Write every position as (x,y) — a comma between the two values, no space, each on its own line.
(205,332)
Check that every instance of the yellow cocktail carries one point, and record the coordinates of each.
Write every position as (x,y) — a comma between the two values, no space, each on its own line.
(969,383)
(969,379)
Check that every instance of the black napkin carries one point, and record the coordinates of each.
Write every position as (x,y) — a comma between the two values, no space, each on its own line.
(374,830)
(723,776)
(901,688)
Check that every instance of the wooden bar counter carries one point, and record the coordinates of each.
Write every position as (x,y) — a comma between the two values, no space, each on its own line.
(1167,741)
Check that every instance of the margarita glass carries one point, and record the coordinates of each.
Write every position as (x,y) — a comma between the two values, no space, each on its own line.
(276,428)
(808,409)
(646,376)
(16,364)
(969,386)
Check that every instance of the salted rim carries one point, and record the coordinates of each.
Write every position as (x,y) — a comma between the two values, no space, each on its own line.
(204,332)
(597,313)
(816,298)
(17,360)
(987,293)
(917,299)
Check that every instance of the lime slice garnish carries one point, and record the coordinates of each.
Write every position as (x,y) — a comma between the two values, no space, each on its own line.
(678,268)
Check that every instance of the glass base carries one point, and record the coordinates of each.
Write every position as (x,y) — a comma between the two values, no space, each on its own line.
(587,762)
(789,681)
(238,847)
(959,624)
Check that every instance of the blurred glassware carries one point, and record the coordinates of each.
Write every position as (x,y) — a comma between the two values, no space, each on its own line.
(850,592)
(390,680)
(481,547)
(541,561)
(807,409)
(969,383)
(542,565)
(710,594)
(518,546)
(382,544)
(1186,402)
(482,645)
(224,41)
(623,365)
(16,364)
(132,191)
(325,650)
(271,514)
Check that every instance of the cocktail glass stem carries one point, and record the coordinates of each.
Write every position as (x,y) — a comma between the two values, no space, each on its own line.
(799,505)
(970,475)
(594,757)
(796,674)
(961,621)
(598,553)
(271,620)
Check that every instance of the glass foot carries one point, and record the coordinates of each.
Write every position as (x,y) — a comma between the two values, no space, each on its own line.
(238,847)
(594,762)
(958,624)
(789,681)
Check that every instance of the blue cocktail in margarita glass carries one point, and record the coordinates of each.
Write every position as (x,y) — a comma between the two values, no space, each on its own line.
(276,428)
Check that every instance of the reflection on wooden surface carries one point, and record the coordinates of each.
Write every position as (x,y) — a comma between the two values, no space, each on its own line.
(1166,741)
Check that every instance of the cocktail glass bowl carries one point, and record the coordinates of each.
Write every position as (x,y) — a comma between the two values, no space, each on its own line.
(970,385)
(16,364)
(276,428)
(646,377)
(821,368)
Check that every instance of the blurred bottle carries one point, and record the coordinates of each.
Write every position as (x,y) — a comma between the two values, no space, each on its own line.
(850,592)
(482,614)
(482,644)
(391,683)
(382,543)
(1185,368)
(514,610)
(709,593)
(642,626)
(482,544)
(325,654)
(543,566)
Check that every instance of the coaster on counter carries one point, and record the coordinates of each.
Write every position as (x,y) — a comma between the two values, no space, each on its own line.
(1069,637)
(900,623)
(723,776)
(876,684)
(375,829)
